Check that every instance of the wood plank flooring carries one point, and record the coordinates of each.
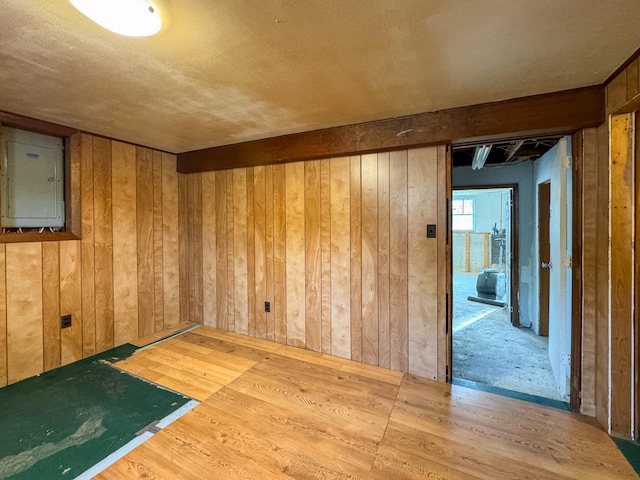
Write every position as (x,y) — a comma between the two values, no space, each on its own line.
(270,411)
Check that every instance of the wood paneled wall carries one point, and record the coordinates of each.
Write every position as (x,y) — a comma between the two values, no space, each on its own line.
(623,101)
(610,273)
(623,91)
(622,214)
(119,282)
(596,278)
(337,246)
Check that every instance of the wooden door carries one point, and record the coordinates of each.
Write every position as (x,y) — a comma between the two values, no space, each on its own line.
(544,203)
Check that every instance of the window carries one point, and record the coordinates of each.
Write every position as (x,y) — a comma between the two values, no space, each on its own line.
(462,214)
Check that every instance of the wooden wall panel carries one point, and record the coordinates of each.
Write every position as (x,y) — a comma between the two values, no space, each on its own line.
(222,316)
(292,234)
(190,247)
(279,310)
(602,279)
(125,277)
(158,267)
(185,205)
(87,245)
(338,246)
(240,282)
(369,176)
(230,257)
(144,227)
(589,269)
(622,240)
(209,253)
(251,253)
(340,258)
(24,310)
(170,258)
(195,252)
(3,318)
(608,354)
(51,305)
(398,267)
(295,253)
(259,249)
(325,255)
(103,248)
(616,92)
(73,177)
(422,260)
(633,79)
(128,221)
(71,300)
(635,352)
(313,265)
(383,260)
(356,258)
(269,252)
(623,91)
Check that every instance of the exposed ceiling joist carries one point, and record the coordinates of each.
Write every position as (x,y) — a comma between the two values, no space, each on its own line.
(511,151)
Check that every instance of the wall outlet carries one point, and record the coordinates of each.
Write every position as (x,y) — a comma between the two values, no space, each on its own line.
(65,321)
(267,307)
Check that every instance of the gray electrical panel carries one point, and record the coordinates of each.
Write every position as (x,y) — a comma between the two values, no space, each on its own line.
(32,180)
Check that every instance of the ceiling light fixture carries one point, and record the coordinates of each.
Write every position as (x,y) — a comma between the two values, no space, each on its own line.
(134,18)
(480,156)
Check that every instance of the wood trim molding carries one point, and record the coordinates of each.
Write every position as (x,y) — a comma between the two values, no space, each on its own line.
(631,106)
(37,237)
(39,126)
(577,169)
(622,67)
(559,112)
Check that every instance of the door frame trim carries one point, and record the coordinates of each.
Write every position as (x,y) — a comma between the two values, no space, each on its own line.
(575,391)
(575,387)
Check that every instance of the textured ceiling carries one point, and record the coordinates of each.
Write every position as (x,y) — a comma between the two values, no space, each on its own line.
(227,71)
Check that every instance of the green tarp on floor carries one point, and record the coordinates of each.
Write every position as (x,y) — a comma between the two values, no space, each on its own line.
(59,424)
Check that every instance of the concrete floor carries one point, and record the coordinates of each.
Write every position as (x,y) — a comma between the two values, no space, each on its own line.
(488,349)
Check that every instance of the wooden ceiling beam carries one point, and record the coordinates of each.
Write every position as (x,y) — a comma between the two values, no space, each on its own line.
(559,112)
(39,126)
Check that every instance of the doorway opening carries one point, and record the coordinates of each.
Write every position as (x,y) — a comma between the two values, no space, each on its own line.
(511,270)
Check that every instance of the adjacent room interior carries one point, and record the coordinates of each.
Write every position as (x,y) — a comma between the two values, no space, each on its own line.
(282,240)
(502,337)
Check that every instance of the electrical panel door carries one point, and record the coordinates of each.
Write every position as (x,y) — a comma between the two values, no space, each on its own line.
(32,180)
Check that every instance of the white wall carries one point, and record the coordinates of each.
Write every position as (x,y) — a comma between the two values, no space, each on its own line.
(555,167)
(522,175)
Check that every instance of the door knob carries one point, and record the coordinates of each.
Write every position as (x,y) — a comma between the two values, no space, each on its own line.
(546,265)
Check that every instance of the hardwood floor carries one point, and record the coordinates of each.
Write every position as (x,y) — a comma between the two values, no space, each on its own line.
(275,412)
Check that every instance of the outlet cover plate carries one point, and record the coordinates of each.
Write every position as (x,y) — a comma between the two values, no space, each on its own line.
(65,321)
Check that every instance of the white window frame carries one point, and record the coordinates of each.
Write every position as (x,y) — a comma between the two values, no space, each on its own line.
(466,207)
